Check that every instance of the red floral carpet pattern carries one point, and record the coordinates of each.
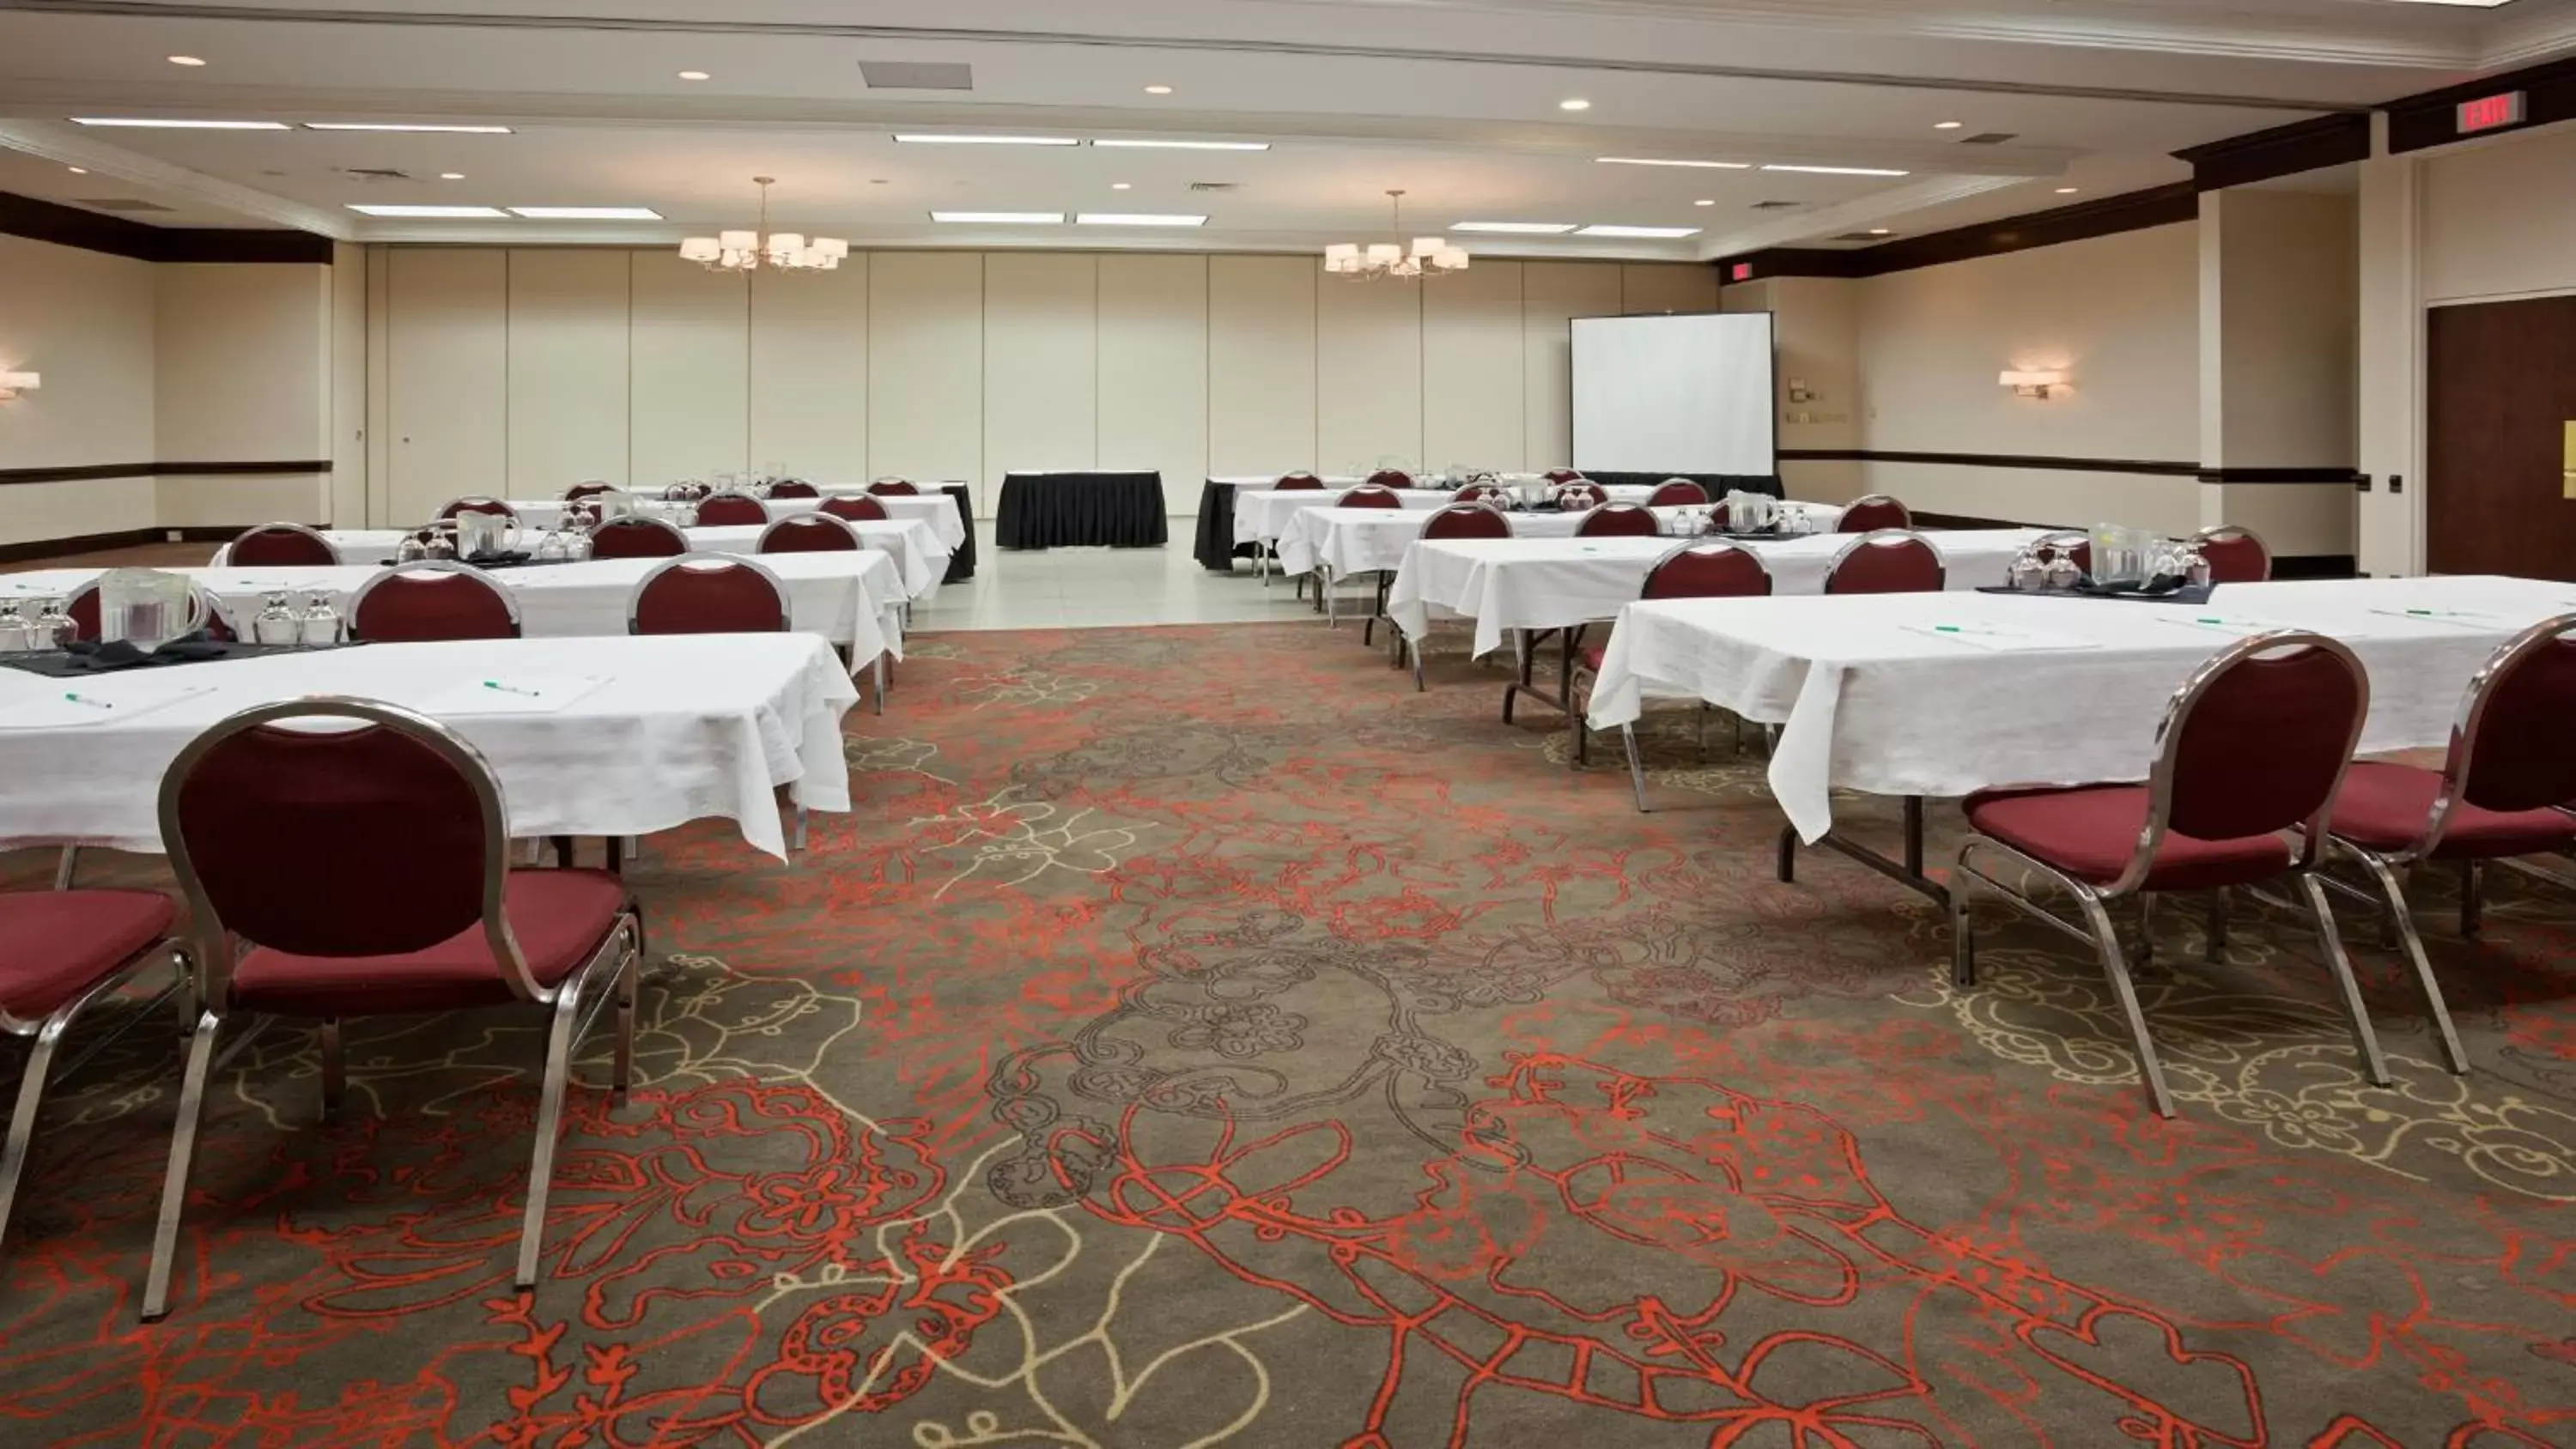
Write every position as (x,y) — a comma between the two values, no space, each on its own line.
(1198,1037)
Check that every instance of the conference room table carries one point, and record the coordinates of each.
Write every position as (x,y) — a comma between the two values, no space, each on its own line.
(920,561)
(1347,541)
(1081,508)
(608,737)
(938,510)
(1262,516)
(1916,696)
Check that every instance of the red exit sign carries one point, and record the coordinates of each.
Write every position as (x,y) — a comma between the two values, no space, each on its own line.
(1742,272)
(2486,113)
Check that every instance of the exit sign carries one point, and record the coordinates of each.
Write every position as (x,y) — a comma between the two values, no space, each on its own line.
(2486,113)
(1743,272)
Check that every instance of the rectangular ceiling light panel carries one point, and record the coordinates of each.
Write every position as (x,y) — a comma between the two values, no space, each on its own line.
(1516,228)
(434,130)
(587,213)
(1130,145)
(917,75)
(1660,161)
(1647,232)
(1000,218)
(1136,218)
(1834,170)
(427,212)
(911,139)
(150,123)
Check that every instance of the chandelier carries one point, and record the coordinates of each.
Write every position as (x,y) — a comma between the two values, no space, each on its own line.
(1430,256)
(749,251)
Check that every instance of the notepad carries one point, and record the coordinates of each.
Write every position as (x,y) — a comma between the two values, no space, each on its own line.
(2241,628)
(2465,618)
(2001,641)
(82,704)
(512,694)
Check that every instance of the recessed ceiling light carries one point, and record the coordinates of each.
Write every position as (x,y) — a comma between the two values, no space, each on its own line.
(1665,161)
(1529,228)
(1882,231)
(1129,218)
(978,140)
(185,60)
(587,213)
(441,130)
(370,209)
(2066,191)
(1158,90)
(694,75)
(1122,186)
(1947,125)
(80,170)
(1705,201)
(1574,104)
(1134,145)
(1659,232)
(151,123)
(451,175)
(1001,218)
(1835,170)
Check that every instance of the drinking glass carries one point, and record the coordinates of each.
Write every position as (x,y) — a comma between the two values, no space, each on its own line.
(320,622)
(276,623)
(14,637)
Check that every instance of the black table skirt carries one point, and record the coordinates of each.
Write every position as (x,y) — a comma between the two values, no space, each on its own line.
(1064,510)
(1216,550)
(1717,484)
(961,564)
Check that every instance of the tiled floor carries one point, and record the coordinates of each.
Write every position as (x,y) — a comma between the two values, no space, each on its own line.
(1105,587)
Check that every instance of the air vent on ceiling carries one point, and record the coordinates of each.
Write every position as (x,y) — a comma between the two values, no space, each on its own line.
(1864,236)
(376,173)
(917,75)
(1774,205)
(124,203)
(1989,138)
(1215,185)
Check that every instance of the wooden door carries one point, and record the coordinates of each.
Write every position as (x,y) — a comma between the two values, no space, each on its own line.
(2500,395)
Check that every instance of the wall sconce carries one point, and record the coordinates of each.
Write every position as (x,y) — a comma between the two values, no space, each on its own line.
(2033,381)
(14,383)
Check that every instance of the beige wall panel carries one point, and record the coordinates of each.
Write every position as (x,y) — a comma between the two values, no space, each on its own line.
(2498,218)
(1368,373)
(240,500)
(34,512)
(691,371)
(447,359)
(1552,295)
(348,495)
(809,372)
(569,369)
(1474,396)
(1261,364)
(926,366)
(241,362)
(1041,364)
(83,321)
(1154,370)
(2041,496)
(1667,287)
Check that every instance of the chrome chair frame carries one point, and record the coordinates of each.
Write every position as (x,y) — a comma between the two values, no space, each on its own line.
(624,947)
(1628,733)
(2097,930)
(328,547)
(417,567)
(2390,871)
(1888,538)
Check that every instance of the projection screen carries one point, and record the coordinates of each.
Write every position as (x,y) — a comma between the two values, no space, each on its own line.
(1685,394)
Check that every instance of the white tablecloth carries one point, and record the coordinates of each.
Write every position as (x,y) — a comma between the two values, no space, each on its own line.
(685,727)
(920,556)
(1507,584)
(849,598)
(1366,540)
(1871,701)
(935,509)
(1262,513)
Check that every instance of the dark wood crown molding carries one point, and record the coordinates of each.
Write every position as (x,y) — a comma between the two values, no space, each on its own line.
(2108,216)
(2432,119)
(2278,151)
(46,221)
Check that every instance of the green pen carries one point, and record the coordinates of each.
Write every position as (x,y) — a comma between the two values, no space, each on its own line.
(85,699)
(507,689)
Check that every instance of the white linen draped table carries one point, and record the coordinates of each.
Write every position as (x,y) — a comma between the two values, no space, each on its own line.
(683,727)
(1262,516)
(935,509)
(849,598)
(1873,697)
(918,554)
(1538,584)
(1350,541)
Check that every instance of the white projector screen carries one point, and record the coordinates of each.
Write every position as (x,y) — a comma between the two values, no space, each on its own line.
(1674,394)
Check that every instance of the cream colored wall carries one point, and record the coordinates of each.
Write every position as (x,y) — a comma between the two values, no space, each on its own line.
(538,368)
(84,322)
(2280,311)
(1815,343)
(348,452)
(242,361)
(2499,218)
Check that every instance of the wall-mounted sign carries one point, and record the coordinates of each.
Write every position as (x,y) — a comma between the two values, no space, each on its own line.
(2488,113)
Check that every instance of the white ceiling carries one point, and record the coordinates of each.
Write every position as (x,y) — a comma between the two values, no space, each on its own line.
(1454,100)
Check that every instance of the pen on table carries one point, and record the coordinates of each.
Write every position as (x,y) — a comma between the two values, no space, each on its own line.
(85,699)
(511,689)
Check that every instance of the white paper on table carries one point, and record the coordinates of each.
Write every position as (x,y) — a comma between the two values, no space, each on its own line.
(2465,618)
(80,702)
(2241,628)
(2000,641)
(513,694)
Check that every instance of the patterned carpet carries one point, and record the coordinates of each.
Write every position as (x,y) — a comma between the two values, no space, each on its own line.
(1196,1036)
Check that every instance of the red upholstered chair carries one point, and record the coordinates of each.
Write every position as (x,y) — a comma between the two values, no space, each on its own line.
(477,503)
(60,951)
(280,545)
(731,510)
(708,593)
(1693,571)
(433,599)
(1877,511)
(1888,561)
(1369,495)
(2502,793)
(402,901)
(809,533)
(1563,475)
(83,607)
(1677,493)
(2236,555)
(893,488)
(1390,478)
(1619,520)
(794,488)
(2247,762)
(860,509)
(1298,483)
(635,536)
(592,489)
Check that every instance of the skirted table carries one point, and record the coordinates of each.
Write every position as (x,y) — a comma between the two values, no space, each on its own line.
(1086,509)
